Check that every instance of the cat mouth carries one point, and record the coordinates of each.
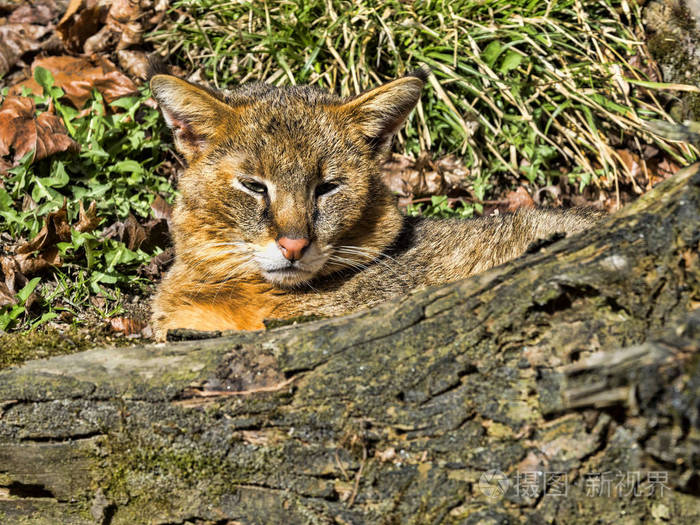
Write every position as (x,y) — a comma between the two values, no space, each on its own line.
(278,270)
(287,275)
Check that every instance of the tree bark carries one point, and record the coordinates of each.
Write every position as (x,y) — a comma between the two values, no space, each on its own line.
(562,386)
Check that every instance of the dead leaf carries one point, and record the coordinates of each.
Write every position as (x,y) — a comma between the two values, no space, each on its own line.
(56,229)
(409,178)
(13,114)
(519,198)
(39,254)
(28,203)
(664,170)
(552,192)
(453,171)
(102,41)
(14,278)
(95,26)
(16,40)
(135,235)
(52,136)
(131,233)
(157,266)
(135,63)
(128,325)
(77,76)
(157,234)
(41,12)
(6,297)
(123,27)
(72,9)
(87,220)
(82,19)
(161,209)
(22,132)
(31,265)
(631,161)
(392,171)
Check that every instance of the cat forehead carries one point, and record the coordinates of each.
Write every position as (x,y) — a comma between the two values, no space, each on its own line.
(278,96)
(296,137)
(284,173)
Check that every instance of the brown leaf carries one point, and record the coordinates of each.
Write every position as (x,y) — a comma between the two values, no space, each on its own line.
(28,203)
(157,234)
(409,178)
(94,26)
(135,63)
(552,192)
(130,232)
(52,136)
(22,132)
(161,209)
(134,233)
(14,278)
(105,39)
(665,169)
(128,325)
(72,9)
(155,268)
(6,296)
(16,40)
(56,229)
(78,76)
(519,198)
(453,171)
(631,161)
(41,12)
(424,176)
(82,19)
(30,265)
(87,220)
(393,172)
(15,112)
(123,27)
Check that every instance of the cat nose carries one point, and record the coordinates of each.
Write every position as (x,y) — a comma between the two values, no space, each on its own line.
(292,249)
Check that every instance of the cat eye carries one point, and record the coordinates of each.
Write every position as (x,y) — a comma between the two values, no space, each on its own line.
(255,187)
(325,188)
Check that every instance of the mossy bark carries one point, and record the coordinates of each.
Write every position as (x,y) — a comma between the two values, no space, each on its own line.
(580,358)
(673,40)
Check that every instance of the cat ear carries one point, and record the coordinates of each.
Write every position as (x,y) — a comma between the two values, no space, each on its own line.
(194,114)
(381,111)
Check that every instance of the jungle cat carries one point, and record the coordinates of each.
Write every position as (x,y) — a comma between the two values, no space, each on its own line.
(282,210)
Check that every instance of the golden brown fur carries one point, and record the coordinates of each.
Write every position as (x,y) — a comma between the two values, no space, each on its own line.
(267,164)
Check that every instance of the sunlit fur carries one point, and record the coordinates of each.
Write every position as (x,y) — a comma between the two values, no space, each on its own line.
(257,159)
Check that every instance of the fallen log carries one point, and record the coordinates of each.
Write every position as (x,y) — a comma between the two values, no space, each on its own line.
(562,386)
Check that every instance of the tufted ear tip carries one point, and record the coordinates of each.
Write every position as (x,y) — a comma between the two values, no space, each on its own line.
(156,66)
(422,73)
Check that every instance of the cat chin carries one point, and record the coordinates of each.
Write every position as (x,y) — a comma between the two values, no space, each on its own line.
(291,278)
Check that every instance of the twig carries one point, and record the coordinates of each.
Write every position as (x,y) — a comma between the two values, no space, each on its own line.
(357,477)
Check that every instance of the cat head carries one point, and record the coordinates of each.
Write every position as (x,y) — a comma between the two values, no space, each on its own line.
(283,183)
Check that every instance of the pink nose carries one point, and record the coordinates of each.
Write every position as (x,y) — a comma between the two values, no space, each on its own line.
(292,249)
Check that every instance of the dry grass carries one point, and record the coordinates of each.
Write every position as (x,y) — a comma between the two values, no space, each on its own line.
(521,89)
